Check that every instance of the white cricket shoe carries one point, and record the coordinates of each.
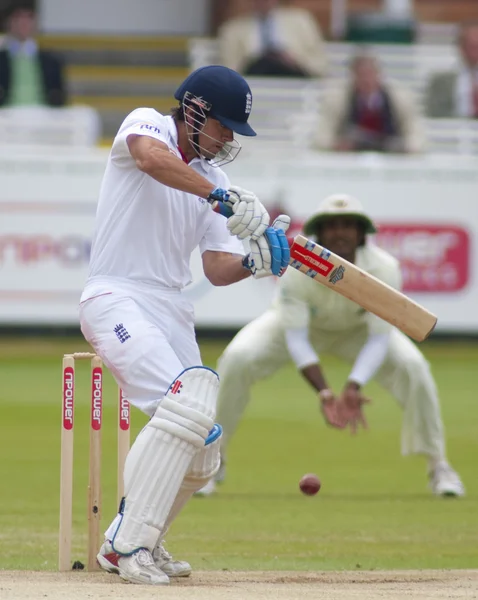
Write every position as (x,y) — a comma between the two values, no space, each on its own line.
(108,560)
(140,568)
(444,481)
(173,568)
(207,490)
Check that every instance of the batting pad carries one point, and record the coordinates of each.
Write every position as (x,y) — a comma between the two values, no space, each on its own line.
(203,466)
(161,456)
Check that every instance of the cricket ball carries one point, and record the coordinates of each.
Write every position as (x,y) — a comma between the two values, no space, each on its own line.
(309,484)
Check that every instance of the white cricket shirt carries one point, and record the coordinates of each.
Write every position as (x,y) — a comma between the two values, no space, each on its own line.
(145,232)
(304,303)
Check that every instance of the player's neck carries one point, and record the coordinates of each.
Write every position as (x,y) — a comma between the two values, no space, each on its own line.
(184,145)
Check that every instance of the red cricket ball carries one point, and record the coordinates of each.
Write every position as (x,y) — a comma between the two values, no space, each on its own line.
(309,484)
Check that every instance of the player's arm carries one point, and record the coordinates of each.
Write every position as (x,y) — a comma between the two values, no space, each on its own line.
(372,354)
(374,351)
(295,314)
(224,268)
(295,317)
(249,217)
(305,358)
(154,158)
(307,362)
(369,360)
(269,255)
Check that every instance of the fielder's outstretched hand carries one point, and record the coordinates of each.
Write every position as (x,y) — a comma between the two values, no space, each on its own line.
(270,253)
(247,216)
(350,407)
(330,409)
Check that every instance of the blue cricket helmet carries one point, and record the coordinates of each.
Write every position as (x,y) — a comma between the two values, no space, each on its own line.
(226,91)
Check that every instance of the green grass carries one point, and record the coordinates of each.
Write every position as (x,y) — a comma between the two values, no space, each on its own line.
(374,510)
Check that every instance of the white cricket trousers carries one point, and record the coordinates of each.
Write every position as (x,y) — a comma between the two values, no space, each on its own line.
(260,349)
(146,342)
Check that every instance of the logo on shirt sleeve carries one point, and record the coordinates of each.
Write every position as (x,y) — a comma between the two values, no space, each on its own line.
(150,127)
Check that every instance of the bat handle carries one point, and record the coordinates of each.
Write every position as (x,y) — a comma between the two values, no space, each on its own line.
(222,208)
(222,202)
(225,210)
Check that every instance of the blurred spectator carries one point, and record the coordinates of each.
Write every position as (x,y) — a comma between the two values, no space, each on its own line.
(367,114)
(28,76)
(455,93)
(273,40)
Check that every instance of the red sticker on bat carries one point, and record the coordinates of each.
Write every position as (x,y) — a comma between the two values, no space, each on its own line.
(311,260)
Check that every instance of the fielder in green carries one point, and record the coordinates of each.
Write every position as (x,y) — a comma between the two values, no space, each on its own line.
(307,320)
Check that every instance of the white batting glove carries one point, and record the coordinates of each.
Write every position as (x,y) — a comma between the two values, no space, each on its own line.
(250,218)
(270,253)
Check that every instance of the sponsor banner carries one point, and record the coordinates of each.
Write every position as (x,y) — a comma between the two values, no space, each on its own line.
(426,209)
(434,258)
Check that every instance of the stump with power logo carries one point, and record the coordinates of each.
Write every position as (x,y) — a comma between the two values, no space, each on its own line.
(67,464)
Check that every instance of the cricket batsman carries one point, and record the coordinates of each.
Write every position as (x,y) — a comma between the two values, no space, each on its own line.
(155,207)
(307,320)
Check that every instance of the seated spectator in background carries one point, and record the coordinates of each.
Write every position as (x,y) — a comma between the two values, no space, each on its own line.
(455,93)
(367,114)
(273,40)
(28,76)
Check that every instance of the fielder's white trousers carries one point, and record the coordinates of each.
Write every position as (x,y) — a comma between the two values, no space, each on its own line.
(259,350)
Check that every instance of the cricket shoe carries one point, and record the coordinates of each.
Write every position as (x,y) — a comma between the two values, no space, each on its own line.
(136,568)
(173,568)
(140,568)
(444,481)
(108,560)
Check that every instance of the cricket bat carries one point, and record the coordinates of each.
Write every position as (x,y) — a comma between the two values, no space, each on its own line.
(346,279)
(364,289)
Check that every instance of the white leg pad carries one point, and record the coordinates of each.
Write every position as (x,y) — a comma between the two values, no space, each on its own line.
(161,456)
(203,466)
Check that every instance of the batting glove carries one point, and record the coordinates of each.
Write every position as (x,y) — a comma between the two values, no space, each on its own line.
(270,254)
(247,216)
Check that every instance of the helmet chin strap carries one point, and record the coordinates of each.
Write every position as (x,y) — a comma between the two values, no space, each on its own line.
(194,141)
